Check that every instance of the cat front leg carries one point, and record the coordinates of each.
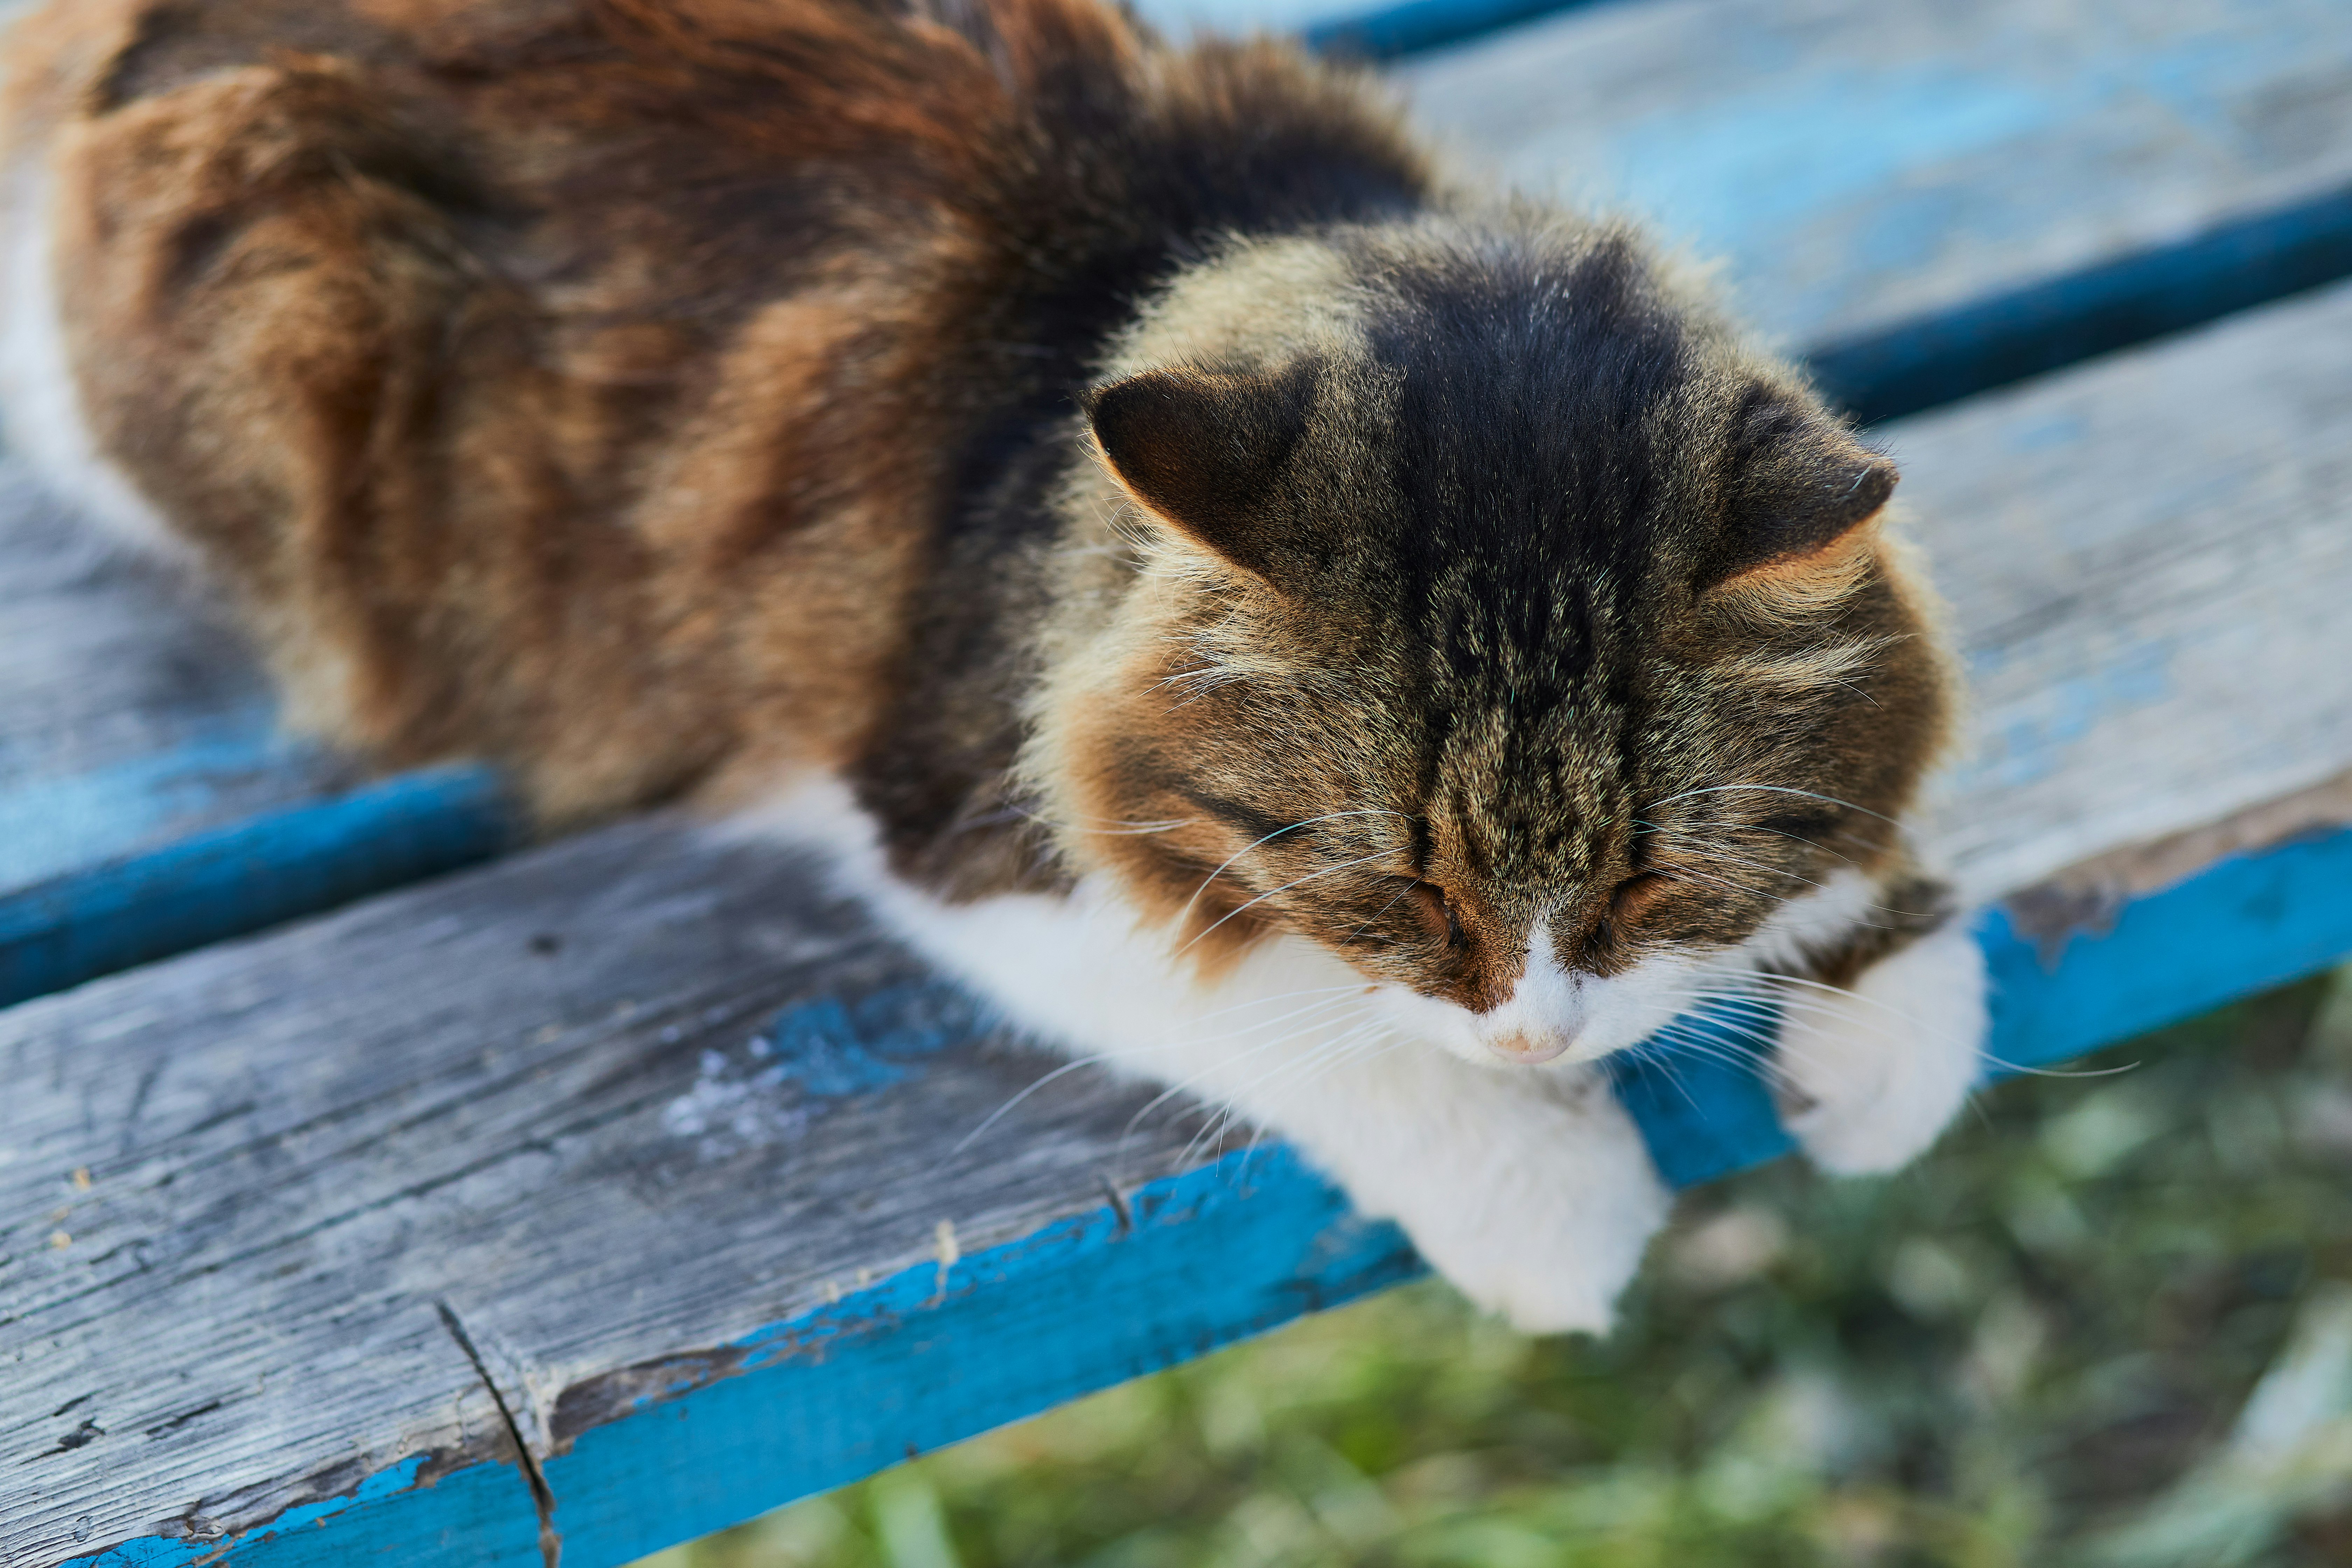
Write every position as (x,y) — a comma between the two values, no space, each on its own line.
(1872,1071)
(1531,1193)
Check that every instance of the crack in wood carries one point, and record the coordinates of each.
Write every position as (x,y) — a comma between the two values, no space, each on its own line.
(81,1436)
(543,1496)
(147,1081)
(184,1418)
(609,1396)
(1118,1203)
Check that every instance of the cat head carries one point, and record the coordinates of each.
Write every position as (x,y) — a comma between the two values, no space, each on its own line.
(1506,628)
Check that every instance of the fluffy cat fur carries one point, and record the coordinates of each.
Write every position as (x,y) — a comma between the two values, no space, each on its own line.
(1354,649)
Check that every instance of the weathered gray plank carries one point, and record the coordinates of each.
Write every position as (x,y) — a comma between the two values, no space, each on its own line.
(2150,559)
(1855,163)
(302,1148)
(298,1152)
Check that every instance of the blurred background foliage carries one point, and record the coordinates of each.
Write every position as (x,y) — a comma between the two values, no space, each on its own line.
(2108,1322)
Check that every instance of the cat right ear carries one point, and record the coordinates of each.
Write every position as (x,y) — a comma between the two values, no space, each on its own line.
(1204,450)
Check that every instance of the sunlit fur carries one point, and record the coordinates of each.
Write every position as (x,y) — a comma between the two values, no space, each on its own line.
(1173,550)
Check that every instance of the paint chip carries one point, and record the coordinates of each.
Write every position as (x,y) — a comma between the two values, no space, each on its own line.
(728,1112)
(943,1235)
(60,1240)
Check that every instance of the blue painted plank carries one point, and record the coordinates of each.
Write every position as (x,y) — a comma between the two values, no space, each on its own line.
(924,1360)
(232,880)
(1196,1261)
(914,1363)
(1694,1092)
(2245,924)
(2051,323)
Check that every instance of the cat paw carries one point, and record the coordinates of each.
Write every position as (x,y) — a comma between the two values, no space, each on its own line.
(1876,1073)
(1548,1240)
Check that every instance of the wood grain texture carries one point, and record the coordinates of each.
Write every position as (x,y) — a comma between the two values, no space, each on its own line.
(2150,560)
(631,1111)
(1854,164)
(623,1098)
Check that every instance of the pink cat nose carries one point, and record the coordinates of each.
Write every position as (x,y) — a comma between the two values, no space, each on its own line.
(1525,1047)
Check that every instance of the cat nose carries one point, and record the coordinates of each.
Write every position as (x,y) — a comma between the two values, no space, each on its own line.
(1525,1047)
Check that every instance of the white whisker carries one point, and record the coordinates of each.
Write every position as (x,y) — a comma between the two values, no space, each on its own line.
(1294,882)
(1770,789)
(1185,913)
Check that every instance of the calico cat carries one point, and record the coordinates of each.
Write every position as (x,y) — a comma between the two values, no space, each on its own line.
(1354,648)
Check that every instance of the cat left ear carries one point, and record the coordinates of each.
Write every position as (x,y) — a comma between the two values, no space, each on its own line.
(1202,450)
(1804,495)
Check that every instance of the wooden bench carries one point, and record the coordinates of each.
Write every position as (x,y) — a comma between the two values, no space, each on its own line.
(625,1187)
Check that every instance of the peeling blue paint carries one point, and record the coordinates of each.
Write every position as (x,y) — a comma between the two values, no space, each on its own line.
(1740,170)
(780,1083)
(2037,738)
(482,1514)
(829,1049)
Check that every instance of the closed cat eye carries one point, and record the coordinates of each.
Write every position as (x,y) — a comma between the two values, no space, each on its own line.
(1635,895)
(1436,911)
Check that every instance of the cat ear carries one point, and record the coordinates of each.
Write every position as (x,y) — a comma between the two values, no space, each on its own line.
(1803,496)
(1202,450)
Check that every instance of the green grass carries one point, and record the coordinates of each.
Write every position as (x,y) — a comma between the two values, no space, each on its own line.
(2107,1322)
